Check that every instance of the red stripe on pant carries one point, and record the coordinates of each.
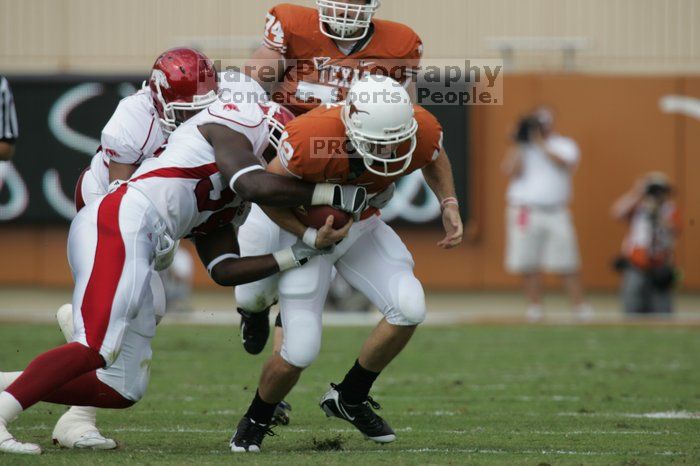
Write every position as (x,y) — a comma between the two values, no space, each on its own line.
(79,199)
(110,255)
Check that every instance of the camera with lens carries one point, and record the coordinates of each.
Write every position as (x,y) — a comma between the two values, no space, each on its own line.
(526,128)
(657,190)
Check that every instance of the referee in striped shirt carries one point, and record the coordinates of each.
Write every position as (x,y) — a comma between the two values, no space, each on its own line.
(9,131)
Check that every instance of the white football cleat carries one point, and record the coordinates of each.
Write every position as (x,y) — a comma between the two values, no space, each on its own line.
(92,440)
(8,444)
(77,429)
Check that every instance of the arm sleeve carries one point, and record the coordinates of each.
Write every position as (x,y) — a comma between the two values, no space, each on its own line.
(290,156)
(119,147)
(438,147)
(414,58)
(276,24)
(127,133)
(410,61)
(9,130)
(430,136)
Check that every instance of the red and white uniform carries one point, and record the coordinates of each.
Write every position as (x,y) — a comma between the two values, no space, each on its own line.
(133,133)
(196,199)
(113,241)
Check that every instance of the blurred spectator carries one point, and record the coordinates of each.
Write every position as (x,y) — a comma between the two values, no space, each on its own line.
(647,261)
(540,232)
(9,130)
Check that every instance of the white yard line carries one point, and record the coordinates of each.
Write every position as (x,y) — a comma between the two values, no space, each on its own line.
(469,451)
(444,317)
(296,430)
(659,415)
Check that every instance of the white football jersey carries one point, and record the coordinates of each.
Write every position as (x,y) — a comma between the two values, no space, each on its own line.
(238,88)
(184,183)
(133,133)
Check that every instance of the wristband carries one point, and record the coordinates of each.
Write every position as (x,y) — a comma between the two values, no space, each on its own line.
(309,237)
(448,201)
(324,194)
(219,260)
(285,259)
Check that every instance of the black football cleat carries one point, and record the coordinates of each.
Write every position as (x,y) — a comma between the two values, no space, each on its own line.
(281,416)
(372,426)
(255,330)
(249,436)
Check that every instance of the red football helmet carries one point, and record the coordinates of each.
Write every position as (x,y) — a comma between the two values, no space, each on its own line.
(183,81)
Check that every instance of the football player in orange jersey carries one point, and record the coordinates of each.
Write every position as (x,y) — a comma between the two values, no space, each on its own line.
(375,138)
(323,50)
(316,54)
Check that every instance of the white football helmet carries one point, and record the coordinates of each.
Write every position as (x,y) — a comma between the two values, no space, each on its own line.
(378,117)
(345,19)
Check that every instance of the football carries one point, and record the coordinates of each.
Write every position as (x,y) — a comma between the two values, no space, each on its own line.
(315,216)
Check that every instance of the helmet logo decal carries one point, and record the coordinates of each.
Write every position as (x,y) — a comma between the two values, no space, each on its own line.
(355,111)
(158,76)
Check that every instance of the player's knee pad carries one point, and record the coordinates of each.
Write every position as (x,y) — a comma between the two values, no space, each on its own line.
(139,387)
(302,340)
(257,296)
(64,315)
(301,356)
(130,374)
(408,301)
(258,235)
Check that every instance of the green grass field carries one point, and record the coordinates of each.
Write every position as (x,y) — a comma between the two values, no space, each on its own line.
(465,395)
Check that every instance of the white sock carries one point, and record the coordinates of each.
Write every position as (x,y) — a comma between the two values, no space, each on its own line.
(7,378)
(9,408)
(83,413)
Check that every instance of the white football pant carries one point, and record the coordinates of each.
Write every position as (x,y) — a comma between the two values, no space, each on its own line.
(114,302)
(373,259)
(256,237)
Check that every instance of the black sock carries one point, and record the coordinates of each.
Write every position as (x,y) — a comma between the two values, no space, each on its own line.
(260,411)
(357,383)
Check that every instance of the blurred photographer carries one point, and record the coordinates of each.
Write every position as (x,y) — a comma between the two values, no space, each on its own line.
(647,262)
(540,232)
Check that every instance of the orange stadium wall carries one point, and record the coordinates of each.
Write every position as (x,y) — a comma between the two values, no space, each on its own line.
(620,128)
